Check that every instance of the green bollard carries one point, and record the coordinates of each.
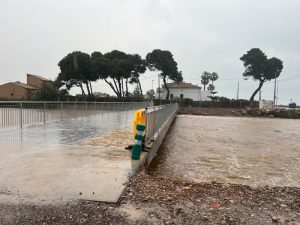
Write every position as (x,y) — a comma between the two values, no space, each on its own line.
(137,147)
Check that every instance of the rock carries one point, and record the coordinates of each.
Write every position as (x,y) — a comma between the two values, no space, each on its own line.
(205,218)
(244,112)
(275,219)
(169,198)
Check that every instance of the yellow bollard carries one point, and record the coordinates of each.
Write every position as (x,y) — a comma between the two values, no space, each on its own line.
(139,118)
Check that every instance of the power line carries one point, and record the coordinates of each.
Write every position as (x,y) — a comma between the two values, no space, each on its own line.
(288,78)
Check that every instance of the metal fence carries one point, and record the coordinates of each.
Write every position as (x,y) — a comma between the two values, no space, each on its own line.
(14,113)
(157,117)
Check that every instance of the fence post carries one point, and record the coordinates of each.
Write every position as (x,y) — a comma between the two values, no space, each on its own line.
(21,116)
(75,109)
(44,112)
(86,108)
(61,111)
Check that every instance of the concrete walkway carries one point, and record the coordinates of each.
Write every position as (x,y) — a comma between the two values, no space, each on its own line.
(69,160)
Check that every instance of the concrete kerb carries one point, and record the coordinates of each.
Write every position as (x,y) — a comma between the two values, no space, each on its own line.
(153,146)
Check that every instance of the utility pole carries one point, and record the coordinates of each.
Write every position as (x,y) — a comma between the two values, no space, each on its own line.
(158,89)
(274,99)
(277,93)
(152,85)
(238,91)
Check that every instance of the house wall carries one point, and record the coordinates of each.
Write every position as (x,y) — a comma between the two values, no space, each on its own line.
(193,93)
(34,81)
(13,92)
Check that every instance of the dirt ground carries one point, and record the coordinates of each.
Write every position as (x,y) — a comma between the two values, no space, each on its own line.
(154,200)
(208,111)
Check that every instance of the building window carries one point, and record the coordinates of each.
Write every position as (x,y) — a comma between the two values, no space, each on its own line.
(171,96)
(181,96)
(12,94)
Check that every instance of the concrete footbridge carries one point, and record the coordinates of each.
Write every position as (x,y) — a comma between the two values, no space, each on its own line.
(61,151)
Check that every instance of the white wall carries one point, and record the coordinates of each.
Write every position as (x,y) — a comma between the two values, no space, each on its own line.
(192,93)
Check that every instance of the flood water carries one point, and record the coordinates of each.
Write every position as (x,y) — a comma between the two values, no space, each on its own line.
(251,151)
(72,131)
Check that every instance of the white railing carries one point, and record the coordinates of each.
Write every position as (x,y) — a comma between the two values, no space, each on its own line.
(157,117)
(20,113)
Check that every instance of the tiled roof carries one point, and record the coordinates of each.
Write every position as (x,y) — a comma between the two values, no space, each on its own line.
(181,85)
(39,77)
(24,85)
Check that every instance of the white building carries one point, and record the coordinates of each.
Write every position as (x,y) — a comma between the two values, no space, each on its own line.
(184,90)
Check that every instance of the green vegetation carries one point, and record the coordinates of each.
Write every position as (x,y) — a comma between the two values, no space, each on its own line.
(206,77)
(260,68)
(116,68)
(163,61)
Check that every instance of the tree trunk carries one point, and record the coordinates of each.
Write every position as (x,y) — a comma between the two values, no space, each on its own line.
(92,95)
(117,89)
(257,90)
(166,86)
(204,87)
(120,87)
(140,88)
(82,91)
(111,85)
(127,88)
(88,89)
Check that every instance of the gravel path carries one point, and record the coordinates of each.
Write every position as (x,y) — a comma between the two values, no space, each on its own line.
(154,200)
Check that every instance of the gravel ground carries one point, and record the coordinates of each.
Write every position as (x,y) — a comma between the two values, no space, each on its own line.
(207,111)
(154,200)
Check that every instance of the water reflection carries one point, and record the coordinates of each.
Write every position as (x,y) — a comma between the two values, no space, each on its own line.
(71,131)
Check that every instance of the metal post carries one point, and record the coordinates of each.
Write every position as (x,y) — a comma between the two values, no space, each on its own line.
(75,110)
(44,112)
(274,105)
(238,91)
(158,89)
(61,111)
(21,116)
(86,108)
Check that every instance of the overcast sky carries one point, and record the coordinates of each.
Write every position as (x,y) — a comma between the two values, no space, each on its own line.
(203,35)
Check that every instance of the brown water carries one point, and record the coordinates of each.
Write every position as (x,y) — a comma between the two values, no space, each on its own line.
(252,151)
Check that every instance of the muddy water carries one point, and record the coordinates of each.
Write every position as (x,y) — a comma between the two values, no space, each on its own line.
(252,151)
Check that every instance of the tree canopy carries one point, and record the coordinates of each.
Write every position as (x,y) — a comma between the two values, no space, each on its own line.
(116,68)
(76,71)
(163,61)
(260,68)
(206,77)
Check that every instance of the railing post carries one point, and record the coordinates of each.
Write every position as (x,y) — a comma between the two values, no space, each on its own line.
(21,115)
(44,112)
(86,108)
(61,111)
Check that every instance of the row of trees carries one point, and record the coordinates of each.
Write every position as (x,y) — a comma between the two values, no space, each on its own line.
(118,69)
(206,77)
